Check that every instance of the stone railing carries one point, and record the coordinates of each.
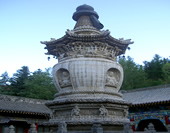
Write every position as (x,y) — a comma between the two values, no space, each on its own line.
(96,128)
(11,129)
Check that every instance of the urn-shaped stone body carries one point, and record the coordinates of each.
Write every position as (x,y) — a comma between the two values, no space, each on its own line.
(88,75)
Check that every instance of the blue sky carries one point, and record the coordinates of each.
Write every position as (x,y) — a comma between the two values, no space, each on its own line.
(24,23)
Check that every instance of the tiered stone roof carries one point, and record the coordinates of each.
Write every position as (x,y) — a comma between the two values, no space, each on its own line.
(70,36)
(87,30)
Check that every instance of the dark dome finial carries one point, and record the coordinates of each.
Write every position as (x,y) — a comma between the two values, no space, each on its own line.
(86,10)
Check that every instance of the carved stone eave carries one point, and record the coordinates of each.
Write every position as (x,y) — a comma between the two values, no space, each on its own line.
(121,40)
(54,41)
(102,34)
(71,36)
(120,43)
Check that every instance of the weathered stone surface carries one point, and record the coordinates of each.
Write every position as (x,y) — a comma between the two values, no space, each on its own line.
(88,78)
(97,128)
(88,112)
(62,127)
(88,74)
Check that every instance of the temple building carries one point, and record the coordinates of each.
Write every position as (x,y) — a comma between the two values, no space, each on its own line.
(22,112)
(149,105)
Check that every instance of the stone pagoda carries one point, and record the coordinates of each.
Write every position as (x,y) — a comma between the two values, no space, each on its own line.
(87,77)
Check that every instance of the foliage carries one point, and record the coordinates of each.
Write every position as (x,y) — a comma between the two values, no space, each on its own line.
(18,79)
(166,72)
(38,84)
(4,79)
(134,75)
(154,68)
(155,72)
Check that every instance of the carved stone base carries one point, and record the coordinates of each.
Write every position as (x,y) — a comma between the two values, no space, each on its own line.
(84,113)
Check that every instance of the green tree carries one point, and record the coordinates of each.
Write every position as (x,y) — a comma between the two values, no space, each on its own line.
(4,83)
(134,75)
(166,72)
(18,79)
(39,85)
(4,79)
(154,70)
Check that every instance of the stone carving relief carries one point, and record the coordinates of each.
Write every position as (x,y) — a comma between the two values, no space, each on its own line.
(103,111)
(82,49)
(75,111)
(62,127)
(127,128)
(52,114)
(63,78)
(125,113)
(112,77)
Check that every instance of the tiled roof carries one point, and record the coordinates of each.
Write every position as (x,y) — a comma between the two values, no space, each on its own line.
(156,94)
(13,104)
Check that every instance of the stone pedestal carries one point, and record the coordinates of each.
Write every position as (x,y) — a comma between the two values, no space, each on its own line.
(88,78)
